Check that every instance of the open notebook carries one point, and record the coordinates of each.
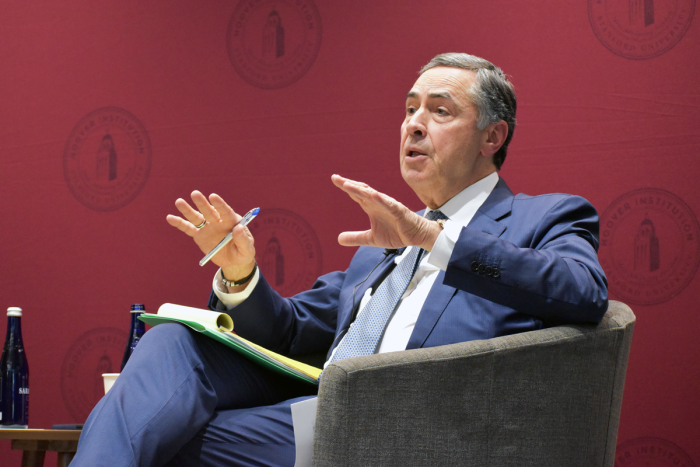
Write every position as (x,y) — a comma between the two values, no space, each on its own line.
(219,326)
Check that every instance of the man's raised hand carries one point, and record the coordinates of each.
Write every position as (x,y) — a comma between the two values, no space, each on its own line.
(392,225)
(236,259)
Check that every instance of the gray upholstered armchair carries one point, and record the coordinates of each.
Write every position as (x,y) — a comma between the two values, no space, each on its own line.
(543,398)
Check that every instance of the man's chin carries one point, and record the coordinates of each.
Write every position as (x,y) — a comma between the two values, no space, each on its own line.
(416,180)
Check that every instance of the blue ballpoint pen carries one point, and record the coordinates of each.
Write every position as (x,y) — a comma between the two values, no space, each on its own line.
(245,220)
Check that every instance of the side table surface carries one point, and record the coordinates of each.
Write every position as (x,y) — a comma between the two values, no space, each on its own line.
(39,435)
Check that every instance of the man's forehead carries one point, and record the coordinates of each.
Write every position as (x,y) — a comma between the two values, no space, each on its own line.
(443,83)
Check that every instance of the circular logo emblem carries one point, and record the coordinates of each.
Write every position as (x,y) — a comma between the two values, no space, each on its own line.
(288,251)
(649,246)
(107,159)
(273,43)
(639,29)
(97,351)
(651,452)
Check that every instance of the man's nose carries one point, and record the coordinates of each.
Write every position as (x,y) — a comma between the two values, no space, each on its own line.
(416,124)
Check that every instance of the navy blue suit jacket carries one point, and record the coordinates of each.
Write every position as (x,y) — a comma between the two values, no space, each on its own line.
(544,248)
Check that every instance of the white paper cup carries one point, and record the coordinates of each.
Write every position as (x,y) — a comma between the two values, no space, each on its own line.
(109,379)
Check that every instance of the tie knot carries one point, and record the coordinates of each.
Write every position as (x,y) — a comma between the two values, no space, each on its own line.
(435,215)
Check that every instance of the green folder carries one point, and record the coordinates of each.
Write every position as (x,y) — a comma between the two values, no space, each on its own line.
(219,326)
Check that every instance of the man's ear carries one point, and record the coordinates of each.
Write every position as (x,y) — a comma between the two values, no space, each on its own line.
(494,137)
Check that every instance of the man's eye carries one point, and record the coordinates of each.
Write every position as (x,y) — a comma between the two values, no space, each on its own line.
(441,111)
(410,110)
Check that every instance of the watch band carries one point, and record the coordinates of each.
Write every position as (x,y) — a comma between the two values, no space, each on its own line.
(229,283)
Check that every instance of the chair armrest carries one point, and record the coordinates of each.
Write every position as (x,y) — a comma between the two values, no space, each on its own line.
(478,402)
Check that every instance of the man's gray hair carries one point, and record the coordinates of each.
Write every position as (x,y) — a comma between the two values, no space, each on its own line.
(492,94)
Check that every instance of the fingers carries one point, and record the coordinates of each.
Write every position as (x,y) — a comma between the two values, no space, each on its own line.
(213,210)
(351,186)
(392,223)
(368,197)
(182,225)
(207,210)
(192,215)
(358,191)
(204,212)
(339,180)
(226,213)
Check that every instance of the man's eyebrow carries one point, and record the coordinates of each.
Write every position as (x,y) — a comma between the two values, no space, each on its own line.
(432,95)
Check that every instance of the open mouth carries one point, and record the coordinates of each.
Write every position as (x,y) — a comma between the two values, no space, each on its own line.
(415,153)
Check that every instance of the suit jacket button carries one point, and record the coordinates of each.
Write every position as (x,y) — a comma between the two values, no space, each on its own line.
(482,267)
(489,271)
(496,272)
(475,266)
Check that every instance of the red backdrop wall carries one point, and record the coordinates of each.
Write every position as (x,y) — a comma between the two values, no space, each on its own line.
(228,97)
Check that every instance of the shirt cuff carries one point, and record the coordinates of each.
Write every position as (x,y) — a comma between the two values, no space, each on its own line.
(232,300)
(445,245)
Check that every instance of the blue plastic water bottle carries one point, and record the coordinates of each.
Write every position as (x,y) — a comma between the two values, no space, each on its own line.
(14,375)
(138,328)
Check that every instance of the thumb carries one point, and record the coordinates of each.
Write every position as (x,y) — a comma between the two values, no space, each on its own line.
(363,238)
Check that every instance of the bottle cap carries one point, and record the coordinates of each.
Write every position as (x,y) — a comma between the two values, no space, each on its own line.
(14,311)
(138,308)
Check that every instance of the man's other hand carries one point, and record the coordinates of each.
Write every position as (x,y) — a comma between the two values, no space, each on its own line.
(237,258)
(392,225)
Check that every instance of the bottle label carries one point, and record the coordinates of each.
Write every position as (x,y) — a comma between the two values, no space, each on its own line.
(14,403)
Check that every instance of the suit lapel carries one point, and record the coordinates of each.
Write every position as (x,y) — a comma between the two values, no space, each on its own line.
(435,304)
(497,206)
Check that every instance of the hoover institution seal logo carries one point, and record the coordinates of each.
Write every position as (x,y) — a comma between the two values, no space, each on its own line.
(651,452)
(639,29)
(288,250)
(273,43)
(97,351)
(107,159)
(649,246)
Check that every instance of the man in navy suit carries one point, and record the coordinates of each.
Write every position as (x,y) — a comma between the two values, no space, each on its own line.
(493,264)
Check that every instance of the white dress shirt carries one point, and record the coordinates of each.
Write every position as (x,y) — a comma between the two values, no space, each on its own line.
(460,210)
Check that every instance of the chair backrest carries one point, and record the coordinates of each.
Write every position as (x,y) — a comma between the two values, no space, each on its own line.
(543,398)
(557,393)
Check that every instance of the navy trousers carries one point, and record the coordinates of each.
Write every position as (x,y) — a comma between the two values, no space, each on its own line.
(186,400)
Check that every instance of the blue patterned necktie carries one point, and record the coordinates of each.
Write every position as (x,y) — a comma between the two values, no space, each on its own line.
(365,332)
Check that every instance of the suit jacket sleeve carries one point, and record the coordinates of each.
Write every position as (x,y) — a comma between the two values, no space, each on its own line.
(303,324)
(548,268)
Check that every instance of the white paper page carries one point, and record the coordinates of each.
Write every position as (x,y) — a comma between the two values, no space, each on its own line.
(303,418)
(213,319)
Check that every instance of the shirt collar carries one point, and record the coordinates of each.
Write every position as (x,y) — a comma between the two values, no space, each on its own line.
(462,207)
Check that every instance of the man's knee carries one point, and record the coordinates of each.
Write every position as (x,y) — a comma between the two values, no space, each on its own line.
(166,333)
(165,339)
